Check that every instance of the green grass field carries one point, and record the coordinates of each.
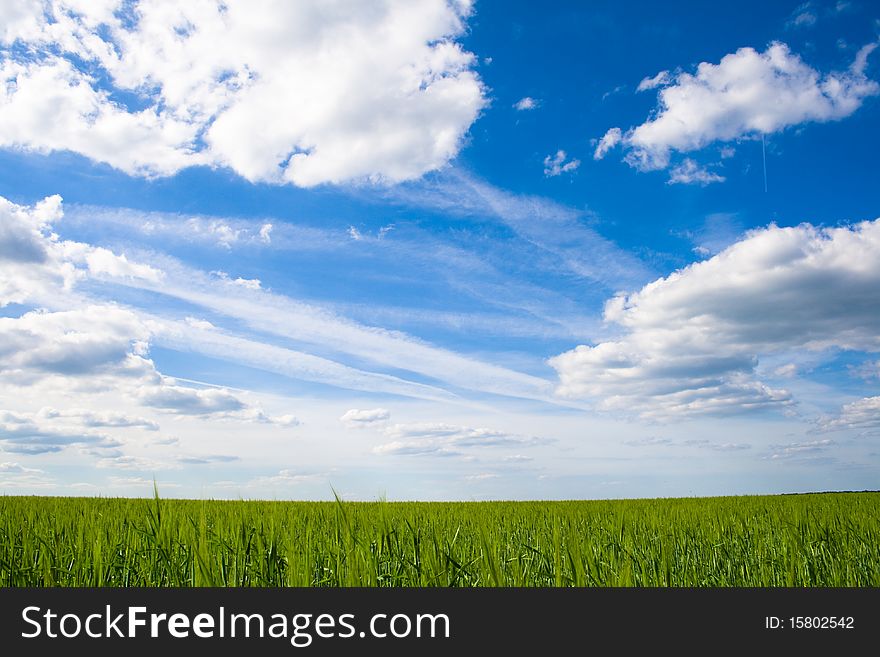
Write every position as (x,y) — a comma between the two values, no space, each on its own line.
(830,539)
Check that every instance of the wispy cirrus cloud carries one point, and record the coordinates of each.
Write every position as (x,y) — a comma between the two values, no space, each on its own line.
(554,229)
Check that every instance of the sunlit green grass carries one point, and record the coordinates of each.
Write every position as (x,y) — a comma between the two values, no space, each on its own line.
(803,540)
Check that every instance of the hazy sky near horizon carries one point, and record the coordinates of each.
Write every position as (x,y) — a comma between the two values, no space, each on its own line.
(429,249)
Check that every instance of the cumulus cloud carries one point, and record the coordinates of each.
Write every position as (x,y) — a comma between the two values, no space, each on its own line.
(104,347)
(690,173)
(555,165)
(165,394)
(90,340)
(29,263)
(748,93)
(102,261)
(860,414)
(28,433)
(304,93)
(189,401)
(689,343)
(35,264)
(526,104)
(96,345)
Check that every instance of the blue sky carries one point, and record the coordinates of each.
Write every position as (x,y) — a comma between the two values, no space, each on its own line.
(435,250)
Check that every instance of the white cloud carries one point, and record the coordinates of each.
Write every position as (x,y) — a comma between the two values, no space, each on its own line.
(861,414)
(689,173)
(746,94)
(165,394)
(482,476)
(616,90)
(316,326)
(170,228)
(690,342)
(128,462)
(526,104)
(202,324)
(804,15)
(110,342)
(35,265)
(30,265)
(96,345)
(249,283)
(8,466)
(15,475)
(288,477)
(215,230)
(189,401)
(359,418)
(861,61)
(303,93)
(609,140)
(29,433)
(88,418)
(442,439)
(660,80)
(786,371)
(555,165)
(692,443)
(103,347)
(140,483)
(101,261)
(91,340)
(797,450)
(288,362)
